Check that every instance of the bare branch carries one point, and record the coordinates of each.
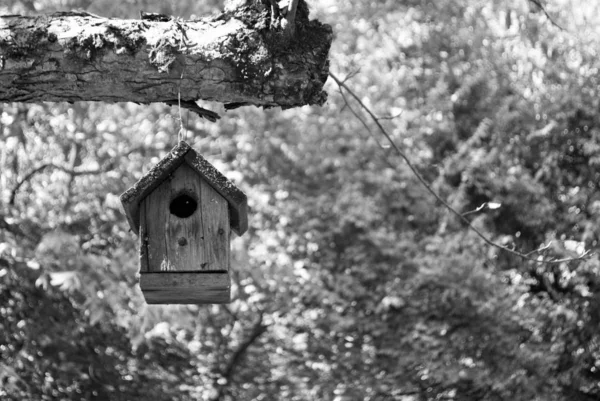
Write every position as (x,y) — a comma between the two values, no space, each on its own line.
(342,85)
(364,124)
(39,169)
(290,28)
(257,330)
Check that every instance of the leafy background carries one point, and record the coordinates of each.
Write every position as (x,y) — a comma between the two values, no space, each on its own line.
(352,282)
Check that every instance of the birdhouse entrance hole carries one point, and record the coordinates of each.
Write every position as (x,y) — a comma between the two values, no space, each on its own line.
(183,206)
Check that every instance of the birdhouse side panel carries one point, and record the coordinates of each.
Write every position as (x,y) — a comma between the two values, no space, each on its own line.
(181,225)
(216,227)
(143,238)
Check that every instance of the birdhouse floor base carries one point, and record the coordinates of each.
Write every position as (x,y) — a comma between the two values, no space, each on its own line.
(186,287)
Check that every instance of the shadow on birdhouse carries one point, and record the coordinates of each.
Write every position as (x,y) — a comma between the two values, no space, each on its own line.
(183,211)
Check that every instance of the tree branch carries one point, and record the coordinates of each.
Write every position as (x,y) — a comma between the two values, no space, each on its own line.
(39,169)
(234,58)
(541,7)
(342,85)
(257,330)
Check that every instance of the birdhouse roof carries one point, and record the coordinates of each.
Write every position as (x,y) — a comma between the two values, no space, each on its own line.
(183,153)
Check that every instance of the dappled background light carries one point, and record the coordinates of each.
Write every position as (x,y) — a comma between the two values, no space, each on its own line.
(352,282)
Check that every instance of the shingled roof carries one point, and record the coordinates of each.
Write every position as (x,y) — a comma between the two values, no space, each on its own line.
(183,153)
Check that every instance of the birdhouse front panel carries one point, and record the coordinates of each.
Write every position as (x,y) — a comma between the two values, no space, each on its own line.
(185,225)
(184,211)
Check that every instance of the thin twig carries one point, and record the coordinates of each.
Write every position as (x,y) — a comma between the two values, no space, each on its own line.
(351,74)
(410,165)
(390,117)
(540,249)
(362,121)
(28,176)
(543,9)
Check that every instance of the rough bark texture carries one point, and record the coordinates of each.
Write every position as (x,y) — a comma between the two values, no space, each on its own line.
(239,57)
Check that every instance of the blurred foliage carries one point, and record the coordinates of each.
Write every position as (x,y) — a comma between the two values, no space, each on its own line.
(352,283)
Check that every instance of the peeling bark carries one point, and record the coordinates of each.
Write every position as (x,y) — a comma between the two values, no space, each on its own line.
(237,58)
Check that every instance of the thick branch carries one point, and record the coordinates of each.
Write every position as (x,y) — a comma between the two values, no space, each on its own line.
(235,58)
(257,330)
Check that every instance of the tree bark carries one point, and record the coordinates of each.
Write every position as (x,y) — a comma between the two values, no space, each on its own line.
(239,57)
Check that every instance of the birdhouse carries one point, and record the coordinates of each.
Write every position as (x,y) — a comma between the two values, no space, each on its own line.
(183,211)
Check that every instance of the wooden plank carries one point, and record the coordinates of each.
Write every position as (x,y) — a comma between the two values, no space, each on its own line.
(184,236)
(186,288)
(215,218)
(144,266)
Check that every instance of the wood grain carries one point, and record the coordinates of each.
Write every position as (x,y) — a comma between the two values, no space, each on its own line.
(186,288)
(199,242)
(144,264)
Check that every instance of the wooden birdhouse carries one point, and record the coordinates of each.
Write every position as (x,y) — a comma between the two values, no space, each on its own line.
(183,211)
